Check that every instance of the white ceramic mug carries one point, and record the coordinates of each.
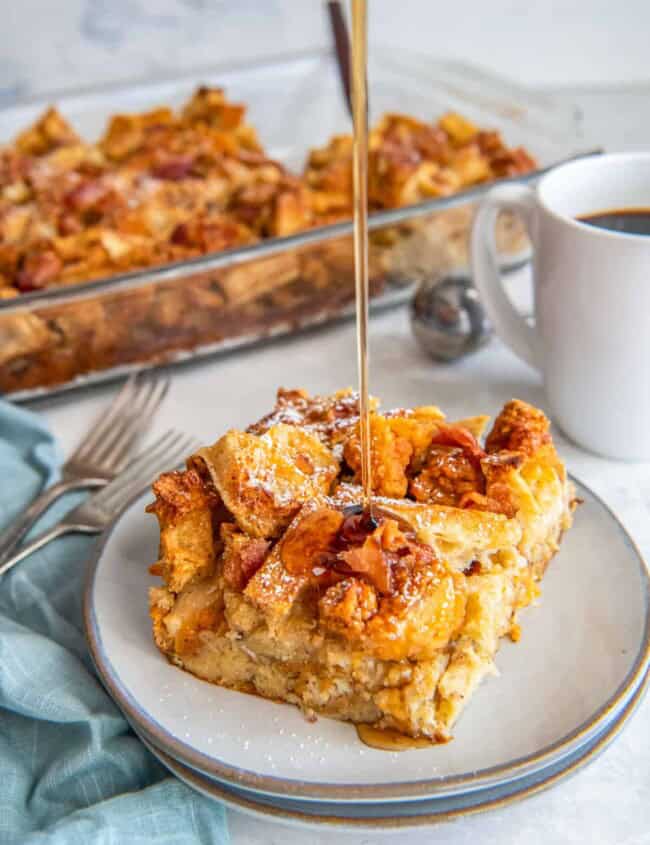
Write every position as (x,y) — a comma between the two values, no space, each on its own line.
(591,337)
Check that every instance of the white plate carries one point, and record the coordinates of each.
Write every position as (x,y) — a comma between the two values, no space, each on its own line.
(582,654)
(399,815)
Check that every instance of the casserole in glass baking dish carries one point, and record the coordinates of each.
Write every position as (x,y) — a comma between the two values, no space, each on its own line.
(73,334)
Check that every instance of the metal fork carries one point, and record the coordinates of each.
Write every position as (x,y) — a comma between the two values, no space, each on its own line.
(101,455)
(98,511)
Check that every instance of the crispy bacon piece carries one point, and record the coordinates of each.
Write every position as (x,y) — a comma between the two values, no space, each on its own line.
(86,195)
(242,556)
(174,168)
(456,435)
(310,542)
(356,527)
(449,473)
(39,270)
(452,468)
(511,162)
(325,542)
(473,569)
(496,495)
(458,472)
(371,561)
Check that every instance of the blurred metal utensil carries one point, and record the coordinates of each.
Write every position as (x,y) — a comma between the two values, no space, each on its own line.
(341,38)
(97,512)
(447,317)
(342,50)
(101,455)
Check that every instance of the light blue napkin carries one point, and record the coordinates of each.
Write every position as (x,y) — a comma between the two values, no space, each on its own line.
(71,771)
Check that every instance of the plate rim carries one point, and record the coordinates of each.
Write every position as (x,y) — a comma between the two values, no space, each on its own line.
(220,792)
(326,791)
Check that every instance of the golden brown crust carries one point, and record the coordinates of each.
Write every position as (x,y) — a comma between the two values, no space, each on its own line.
(242,556)
(264,479)
(330,418)
(48,132)
(410,161)
(185,509)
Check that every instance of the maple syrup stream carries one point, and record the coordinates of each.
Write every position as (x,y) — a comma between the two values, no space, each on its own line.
(385,740)
(359,91)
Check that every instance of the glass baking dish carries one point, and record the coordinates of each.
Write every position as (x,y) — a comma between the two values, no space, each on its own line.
(70,336)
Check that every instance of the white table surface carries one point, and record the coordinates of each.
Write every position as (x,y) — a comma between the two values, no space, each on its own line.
(608,803)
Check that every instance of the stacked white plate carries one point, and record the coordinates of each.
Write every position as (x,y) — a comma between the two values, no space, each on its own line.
(565,691)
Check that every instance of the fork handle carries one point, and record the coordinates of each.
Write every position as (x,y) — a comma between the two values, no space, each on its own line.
(13,534)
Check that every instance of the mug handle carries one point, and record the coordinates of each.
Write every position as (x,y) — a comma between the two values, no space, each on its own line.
(510,326)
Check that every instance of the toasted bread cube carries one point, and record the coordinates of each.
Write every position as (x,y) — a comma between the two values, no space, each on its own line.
(183,508)
(264,480)
(456,533)
(519,428)
(459,128)
(50,131)
(272,589)
(125,133)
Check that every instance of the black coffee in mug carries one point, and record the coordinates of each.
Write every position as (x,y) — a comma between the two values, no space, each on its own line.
(629,221)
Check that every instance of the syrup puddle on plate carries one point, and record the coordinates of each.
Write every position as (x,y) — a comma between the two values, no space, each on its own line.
(386,739)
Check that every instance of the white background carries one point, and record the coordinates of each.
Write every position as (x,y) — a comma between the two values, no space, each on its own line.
(51,44)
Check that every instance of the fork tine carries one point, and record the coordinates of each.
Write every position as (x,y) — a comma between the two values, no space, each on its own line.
(160,455)
(163,459)
(104,421)
(119,453)
(168,459)
(159,447)
(125,420)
